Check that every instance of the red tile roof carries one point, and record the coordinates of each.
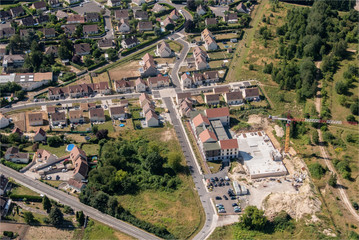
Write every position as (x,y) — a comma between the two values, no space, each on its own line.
(217,112)
(199,119)
(229,144)
(207,135)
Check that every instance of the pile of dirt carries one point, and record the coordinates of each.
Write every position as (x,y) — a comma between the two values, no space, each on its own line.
(257,120)
(279,131)
(296,205)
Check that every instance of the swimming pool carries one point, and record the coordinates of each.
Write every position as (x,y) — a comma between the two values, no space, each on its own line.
(70,147)
(122,125)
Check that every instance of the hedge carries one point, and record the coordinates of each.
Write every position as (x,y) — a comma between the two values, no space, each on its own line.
(28,198)
(96,65)
(142,45)
(69,77)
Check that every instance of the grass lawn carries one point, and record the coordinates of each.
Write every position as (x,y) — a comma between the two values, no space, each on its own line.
(176,47)
(58,151)
(91,149)
(53,183)
(21,190)
(107,125)
(214,166)
(217,64)
(96,230)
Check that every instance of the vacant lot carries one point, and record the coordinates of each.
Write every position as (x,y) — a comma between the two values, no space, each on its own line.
(127,70)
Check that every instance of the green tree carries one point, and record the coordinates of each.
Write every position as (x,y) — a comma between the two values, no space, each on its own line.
(316,170)
(46,203)
(94,129)
(253,219)
(354,108)
(351,118)
(282,221)
(100,201)
(315,137)
(154,163)
(54,141)
(56,216)
(20,94)
(96,53)
(80,218)
(174,161)
(29,218)
(144,7)
(332,180)
(341,87)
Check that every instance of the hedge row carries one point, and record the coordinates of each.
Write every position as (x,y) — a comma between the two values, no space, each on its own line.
(28,198)
(142,45)
(96,65)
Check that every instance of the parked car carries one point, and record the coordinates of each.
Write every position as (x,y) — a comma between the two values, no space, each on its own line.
(226,178)
(222,211)
(216,178)
(227,183)
(234,204)
(225,197)
(212,179)
(219,205)
(218,198)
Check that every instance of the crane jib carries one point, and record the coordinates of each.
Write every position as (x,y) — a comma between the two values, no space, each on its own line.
(322,121)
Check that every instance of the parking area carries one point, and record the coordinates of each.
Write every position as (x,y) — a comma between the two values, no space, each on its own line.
(224,197)
(87,7)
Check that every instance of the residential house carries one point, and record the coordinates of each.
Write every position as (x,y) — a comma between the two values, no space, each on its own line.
(57,93)
(54,3)
(105,43)
(58,119)
(197,79)
(92,17)
(79,160)
(117,112)
(141,15)
(80,90)
(18,131)
(221,114)
(31,81)
(123,86)
(14,155)
(52,49)
(7,32)
(158,82)
(123,26)
(69,29)
(138,2)
(157,8)
(210,22)
(35,119)
(5,15)
(211,76)
(90,29)
(50,109)
(17,11)
(148,106)
(145,26)
(163,50)
(130,42)
(241,8)
(168,21)
(144,98)
(82,49)
(152,119)
(76,116)
(39,6)
(113,3)
(124,103)
(27,21)
(5,204)
(87,106)
(42,19)
(4,184)
(43,155)
(76,185)
(233,98)
(39,136)
(75,18)
(149,66)
(61,15)
(97,115)
(4,122)
(211,99)
(185,107)
(49,32)
(231,18)
(183,95)
(221,89)
(174,15)
(140,85)
(251,94)
(209,42)
(200,58)
(201,10)
(186,80)
(121,14)
(229,148)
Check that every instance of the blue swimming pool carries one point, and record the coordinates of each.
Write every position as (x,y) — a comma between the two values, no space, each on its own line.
(70,147)
(122,125)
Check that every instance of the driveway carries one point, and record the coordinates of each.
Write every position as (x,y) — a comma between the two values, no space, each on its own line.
(219,11)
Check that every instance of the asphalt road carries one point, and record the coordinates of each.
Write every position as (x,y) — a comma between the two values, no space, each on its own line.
(177,65)
(73,202)
(211,216)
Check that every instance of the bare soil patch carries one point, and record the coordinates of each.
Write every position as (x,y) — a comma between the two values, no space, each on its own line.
(37,233)
(125,71)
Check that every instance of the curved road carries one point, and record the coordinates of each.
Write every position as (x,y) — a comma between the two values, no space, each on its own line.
(73,202)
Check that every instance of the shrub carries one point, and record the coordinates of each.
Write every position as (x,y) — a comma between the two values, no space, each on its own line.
(8,234)
(316,170)
(332,180)
(27,197)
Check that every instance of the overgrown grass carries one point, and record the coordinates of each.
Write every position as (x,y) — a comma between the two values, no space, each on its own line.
(21,190)
(95,230)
